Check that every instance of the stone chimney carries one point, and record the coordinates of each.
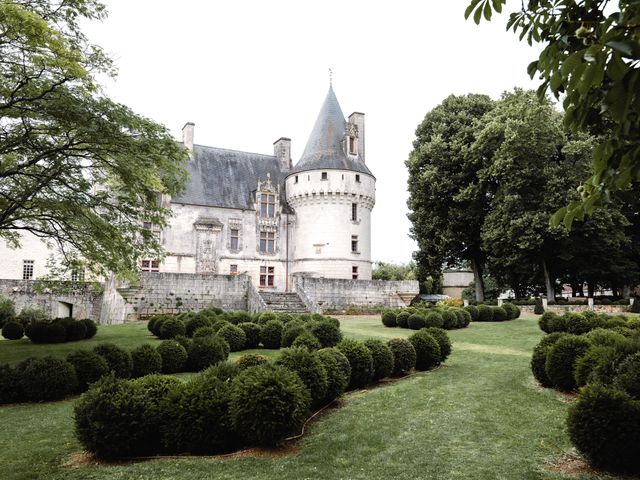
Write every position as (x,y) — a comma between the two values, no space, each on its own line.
(357,119)
(187,135)
(282,151)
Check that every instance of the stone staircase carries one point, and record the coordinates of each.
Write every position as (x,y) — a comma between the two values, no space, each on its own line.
(283,302)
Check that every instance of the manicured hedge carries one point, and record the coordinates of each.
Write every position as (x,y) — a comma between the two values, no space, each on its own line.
(310,370)
(360,360)
(404,355)
(382,358)
(417,318)
(60,330)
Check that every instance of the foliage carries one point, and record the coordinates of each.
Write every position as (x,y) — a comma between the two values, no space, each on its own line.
(7,310)
(499,314)
(196,322)
(433,319)
(427,350)
(271,334)
(12,331)
(473,311)
(389,318)
(46,379)
(390,271)
(234,336)
(307,341)
(171,328)
(360,360)
(251,360)
(404,355)
(29,314)
(265,317)
(251,333)
(561,361)
(145,360)
(327,332)
(310,370)
(416,321)
(444,343)
(206,331)
(118,360)
(338,372)
(75,330)
(403,319)
(539,358)
(267,403)
(449,320)
(89,366)
(513,312)
(628,376)
(90,326)
(78,169)
(594,359)
(485,313)
(538,309)
(174,356)
(382,358)
(206,351)
(9,384)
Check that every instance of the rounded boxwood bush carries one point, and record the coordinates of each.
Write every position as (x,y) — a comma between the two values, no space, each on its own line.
(251,360)
(7,310)
(90,326)
(10,391)
(90,367)
(460,317)
(76,330)
(12,331)
(157,325)
(449,319)
(382,358)
(389,318)
(557,324)
(593,359)
(291,331)
(307,340)
(225,371)
(485,313)
(577,324)
(310,370)
(55,332)
(46,379)
(473,311)
(427,350)
(499,314)
(234,336)
(416,321)
(545,321)
(195,323)
(118,360)
(404,355)
(602,336)
(360,360)
(206,351)
(338,372)
(433,319)
(198,418)
(151,324)
(467,317)
(271,334)
(403,319)
(268,403)
(251,334)
(604,425)
(266,317)
(146,360)
(174,356)
(444,343)
(561,361)
(539,358)
(327,332)
(628,377)
(511,309)
(171,328)
(204,331)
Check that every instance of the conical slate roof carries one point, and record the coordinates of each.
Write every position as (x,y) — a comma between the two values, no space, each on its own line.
(325,147)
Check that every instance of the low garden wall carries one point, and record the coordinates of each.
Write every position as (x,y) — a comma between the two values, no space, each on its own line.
(528,309)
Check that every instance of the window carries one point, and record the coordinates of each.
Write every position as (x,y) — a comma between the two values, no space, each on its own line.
(354,243)
(352,146)
(267,275)
(234,239)
(357,178)
(150,266)
(77,275)
(27,269)
(233,269)
(354,273)
(354,212)
(267,205)
(267,242)
(296,179)
(155,229)
(323,176)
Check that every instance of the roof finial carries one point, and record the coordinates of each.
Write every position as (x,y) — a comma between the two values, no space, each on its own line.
(330,78)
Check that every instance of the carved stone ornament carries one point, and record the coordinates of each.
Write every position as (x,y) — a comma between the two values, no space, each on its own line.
(352,130)
(207,239)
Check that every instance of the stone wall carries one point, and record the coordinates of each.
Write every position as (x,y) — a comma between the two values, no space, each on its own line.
(85,299)
(613,309)
(336,294)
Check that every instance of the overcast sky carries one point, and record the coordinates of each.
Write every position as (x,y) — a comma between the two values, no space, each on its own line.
(249,72)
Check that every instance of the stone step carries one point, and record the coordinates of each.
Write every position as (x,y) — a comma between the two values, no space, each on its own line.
(283,302)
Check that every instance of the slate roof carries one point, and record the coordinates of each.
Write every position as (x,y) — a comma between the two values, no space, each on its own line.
(220,177)
(325,148)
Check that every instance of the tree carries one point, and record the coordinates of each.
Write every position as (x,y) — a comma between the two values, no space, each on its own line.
(76,169)
(447,203)
(390,271)
(592,58)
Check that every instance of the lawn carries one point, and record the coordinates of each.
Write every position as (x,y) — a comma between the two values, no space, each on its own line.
(479,417)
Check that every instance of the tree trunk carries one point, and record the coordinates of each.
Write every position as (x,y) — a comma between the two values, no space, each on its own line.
(581,290)
(574,289)
(548,282)
(626,292)
(477,278)
(614,291)
(591,288)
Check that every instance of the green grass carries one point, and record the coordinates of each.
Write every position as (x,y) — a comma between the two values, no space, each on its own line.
(479,417)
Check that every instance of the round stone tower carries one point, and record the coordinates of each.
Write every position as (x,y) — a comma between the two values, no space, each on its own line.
(332,193)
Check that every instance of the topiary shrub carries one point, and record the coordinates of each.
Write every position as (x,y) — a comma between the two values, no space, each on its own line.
(267,404)
(485,313)
(195,323)
(310,370)
(546,320)
(415,321)
(146,360)
(499,314)
(171,328)
(403,319)
(12,331)
(327,332)
(427,350)
(251,334)
(174,356)
(10,391)
(591,360)
(561,361)
(90,326)
(466,318)
(511,309)
(404,355)
(635,306)
(602,336)
(234,336)
(308,341)
(204,331)
(444,343)
(7,310)
(338,372)
(225,371)
(449,320)
(46,379)
(198,419)
(539,358)
(30,315)
(291,331)
(538,309)
(266,317)
(473,311)
(90,367)
(382,358)
(628,376)
(433,319)
(577,324)
(157,325)
(360,360)
(206,351)
(184,341)
(271,334)
(76,330)
(604,425)
(389,318)
(251,360)
(55,332)
(151,324)
(118,360)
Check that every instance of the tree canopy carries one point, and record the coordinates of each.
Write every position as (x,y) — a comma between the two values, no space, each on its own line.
(592,59)
(76,169)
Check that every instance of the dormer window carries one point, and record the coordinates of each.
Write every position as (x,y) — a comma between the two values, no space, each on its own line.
(357,178)
(323,176)
(267,205)
(353,145)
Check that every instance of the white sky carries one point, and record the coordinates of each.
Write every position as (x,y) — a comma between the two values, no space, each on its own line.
(249,72)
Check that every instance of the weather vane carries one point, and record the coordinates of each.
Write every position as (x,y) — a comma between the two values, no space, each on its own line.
(330,78)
